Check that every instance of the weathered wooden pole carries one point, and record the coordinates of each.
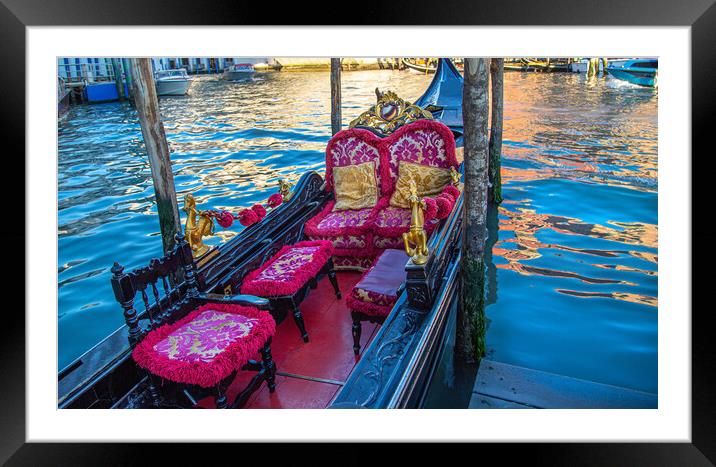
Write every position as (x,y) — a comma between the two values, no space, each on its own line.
(593,69)
(118,78)
(470,338)
(335,95)
(128,77)
(497,68)
(155,140)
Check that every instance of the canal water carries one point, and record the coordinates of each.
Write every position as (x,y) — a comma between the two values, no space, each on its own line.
(573,273)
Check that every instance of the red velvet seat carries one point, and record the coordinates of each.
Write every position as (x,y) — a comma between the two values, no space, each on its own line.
(207,345)
(376,292)
(391,223)
(349,231)
(358,236)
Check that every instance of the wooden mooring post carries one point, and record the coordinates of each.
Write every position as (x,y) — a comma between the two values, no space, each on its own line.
(128,77)
(117,69)
(335,95)
(155,140)
(593,68)
(471,324)
(497,68)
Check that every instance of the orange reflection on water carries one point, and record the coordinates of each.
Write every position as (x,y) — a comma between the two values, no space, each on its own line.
(525,223)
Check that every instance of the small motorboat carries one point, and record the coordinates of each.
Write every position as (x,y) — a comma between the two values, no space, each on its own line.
(172,82)
(239,71)
(581,65)
(643,72)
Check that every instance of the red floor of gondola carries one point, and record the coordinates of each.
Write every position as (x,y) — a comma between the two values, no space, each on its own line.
(310,374)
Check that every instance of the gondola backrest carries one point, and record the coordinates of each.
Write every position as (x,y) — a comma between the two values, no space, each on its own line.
(176,274)
(425,142)
(352,147)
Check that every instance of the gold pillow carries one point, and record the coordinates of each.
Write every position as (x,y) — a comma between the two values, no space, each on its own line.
(355,186)
(429,181)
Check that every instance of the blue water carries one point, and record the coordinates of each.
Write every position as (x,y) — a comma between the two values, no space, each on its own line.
(572,283)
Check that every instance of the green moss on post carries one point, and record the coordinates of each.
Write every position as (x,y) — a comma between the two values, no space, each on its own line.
(497,66)
(472,282)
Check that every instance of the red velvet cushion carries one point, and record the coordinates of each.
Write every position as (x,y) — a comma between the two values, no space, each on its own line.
(289,269)
(207,345)
(377,290)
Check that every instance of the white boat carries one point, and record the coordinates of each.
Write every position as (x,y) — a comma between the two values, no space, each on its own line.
(583,65)
(239,71)
(172,82)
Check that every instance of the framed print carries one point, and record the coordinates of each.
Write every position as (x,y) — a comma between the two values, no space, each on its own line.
(481,219)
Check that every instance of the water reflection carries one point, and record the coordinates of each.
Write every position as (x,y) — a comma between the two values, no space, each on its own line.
(577,253)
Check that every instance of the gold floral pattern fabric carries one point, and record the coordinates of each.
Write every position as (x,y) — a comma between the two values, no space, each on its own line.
(429,181)
(205,337)
(355,186)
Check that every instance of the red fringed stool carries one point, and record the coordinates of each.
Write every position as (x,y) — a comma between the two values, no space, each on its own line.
(285,278)
(208,346)
(374,295)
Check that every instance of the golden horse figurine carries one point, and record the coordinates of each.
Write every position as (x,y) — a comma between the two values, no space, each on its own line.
(416,239)
(455,177)
(194,230)
(284,188)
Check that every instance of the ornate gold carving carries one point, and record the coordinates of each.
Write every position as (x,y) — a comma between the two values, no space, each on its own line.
(195,230)
(416,239)
(284,188)
(390,113)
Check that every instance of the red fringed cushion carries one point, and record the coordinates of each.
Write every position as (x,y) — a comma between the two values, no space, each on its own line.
(207,345)
(289,269)
(377,290)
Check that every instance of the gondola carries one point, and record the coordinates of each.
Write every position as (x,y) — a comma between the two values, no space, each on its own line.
(546,65)
(427,65)
(389,365)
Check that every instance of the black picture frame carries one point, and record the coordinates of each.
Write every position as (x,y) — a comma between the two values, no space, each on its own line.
(700,15)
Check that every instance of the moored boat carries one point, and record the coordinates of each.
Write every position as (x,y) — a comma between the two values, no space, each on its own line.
(239,71)
(544,64)
(643,72)
(428,65)
(344,363)
(172,82)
